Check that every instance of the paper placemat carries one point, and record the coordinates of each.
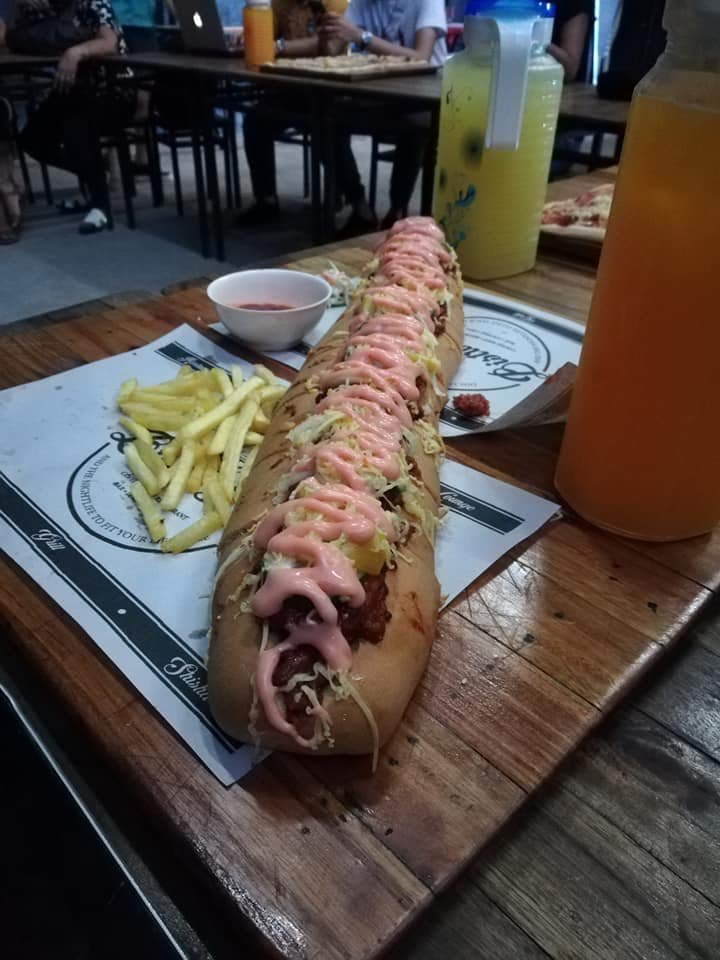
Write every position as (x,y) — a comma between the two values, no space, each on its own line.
(68,521)
(510,351)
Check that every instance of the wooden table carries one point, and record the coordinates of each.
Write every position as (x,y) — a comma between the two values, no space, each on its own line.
(23,63)
(580,106)
(550,639)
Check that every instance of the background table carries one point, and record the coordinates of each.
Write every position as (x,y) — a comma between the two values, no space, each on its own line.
(579,107)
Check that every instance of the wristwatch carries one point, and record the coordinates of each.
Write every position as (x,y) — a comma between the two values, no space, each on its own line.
(280,45)
(365,39)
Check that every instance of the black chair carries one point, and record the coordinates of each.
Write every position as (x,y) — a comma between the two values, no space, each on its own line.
(24,92)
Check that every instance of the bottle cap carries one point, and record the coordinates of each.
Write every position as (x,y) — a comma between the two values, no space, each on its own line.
(515,9)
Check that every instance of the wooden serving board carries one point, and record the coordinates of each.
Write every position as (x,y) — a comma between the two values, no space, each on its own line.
(350,72)
(319,858)
(585,243)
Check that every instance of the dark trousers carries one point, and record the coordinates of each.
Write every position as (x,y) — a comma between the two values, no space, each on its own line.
(64,132)
(263,125)
(412,138)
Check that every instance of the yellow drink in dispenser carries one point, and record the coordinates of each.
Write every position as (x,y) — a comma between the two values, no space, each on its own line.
(500,101)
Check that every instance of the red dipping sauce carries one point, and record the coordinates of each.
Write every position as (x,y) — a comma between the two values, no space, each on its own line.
(262,306)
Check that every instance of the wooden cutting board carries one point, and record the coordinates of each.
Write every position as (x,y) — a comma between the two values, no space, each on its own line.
(349,70)
(321,859)
(584,243)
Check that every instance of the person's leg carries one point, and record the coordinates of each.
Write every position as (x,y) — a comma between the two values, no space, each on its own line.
(95,114)
(259,133)
(409,154)
(362,219)
(81,137)
(42,136)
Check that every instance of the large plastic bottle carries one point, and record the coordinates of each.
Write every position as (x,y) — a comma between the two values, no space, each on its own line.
(499,108)
(641,453)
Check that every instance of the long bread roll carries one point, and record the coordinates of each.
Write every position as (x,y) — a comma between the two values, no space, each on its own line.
(325,604)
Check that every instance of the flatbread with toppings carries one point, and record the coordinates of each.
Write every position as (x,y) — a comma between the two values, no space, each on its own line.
(585,215)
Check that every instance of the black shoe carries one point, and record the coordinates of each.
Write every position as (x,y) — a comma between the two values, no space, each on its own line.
(258,214)
(355,226)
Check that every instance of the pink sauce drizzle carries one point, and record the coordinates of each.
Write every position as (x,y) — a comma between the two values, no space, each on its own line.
(372,384)
(392,298)
(423,226)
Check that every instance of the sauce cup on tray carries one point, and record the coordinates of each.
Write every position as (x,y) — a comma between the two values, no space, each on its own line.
(269,309)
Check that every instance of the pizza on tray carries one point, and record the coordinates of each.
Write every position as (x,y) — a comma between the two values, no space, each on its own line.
(365,64)
(583,216)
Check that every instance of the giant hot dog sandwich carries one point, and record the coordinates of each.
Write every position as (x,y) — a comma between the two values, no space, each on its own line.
(326,599)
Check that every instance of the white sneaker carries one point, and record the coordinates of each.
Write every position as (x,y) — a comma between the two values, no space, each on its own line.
(94,221)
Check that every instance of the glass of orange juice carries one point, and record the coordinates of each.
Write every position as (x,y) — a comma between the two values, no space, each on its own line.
(258,33)
(336,6)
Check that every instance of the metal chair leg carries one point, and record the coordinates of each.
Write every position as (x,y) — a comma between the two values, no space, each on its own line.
(22,160)
(372,188)
(179,203)
(126,176)
(200,190)
(306,165)
(226,148)
(47,189)
(156,184)
(234,160)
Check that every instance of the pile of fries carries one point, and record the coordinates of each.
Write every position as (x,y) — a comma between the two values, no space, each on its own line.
(212,417)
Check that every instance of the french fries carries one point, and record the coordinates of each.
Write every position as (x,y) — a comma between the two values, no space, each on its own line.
(213,418)
(215,496)
(144,474)
(178,482)
(192,534)
(233,448)
(153,461)
(136,429)
(217,420)
(149,510)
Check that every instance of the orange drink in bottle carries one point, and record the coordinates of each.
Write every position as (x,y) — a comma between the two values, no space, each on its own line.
(258,33)
(641,455)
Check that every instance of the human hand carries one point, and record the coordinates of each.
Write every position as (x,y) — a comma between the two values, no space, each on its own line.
(67,69)
(333,26)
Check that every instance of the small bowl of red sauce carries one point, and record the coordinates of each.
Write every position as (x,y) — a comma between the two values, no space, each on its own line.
(269,309)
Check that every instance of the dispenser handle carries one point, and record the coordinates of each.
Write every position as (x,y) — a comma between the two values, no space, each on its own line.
(511,41)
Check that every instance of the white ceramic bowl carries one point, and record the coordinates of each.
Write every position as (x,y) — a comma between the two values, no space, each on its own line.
(304,296)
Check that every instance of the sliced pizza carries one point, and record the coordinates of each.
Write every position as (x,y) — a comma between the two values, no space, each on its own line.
(585,215)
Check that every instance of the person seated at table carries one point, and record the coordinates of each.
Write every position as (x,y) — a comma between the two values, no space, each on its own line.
(570,46)
(571,32)
(414,28)
(296,36)
(82,106)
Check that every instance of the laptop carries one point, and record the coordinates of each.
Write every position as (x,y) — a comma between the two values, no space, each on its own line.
(202,30)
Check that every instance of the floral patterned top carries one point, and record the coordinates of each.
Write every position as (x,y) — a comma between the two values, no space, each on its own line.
(91,14)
